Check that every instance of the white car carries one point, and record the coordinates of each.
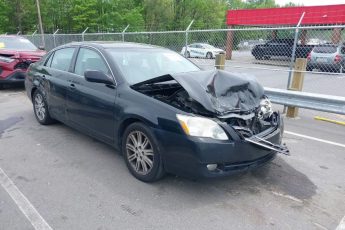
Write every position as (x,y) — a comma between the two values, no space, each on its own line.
(201,50)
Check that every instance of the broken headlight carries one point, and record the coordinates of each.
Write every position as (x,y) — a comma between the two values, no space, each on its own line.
(265,109)
(6,59)
(201,127)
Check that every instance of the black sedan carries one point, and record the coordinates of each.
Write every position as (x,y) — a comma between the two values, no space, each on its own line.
(160,110)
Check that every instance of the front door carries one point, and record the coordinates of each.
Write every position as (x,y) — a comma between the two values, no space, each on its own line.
(90,106)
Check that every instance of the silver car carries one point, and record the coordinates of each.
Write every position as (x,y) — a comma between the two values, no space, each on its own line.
(327,58)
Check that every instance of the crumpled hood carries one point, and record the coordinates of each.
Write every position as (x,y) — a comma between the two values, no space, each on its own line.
(218,91)
(28,55)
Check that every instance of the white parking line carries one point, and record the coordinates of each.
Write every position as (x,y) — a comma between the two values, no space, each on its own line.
(23,203)
(315,139)
(341,225)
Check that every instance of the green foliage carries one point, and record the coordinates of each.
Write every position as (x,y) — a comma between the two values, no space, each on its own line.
(4,20)
(114,15)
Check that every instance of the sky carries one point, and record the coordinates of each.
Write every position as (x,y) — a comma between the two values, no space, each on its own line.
(311,2)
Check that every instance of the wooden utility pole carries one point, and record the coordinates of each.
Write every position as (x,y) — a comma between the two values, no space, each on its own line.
(297,84)
(40,23)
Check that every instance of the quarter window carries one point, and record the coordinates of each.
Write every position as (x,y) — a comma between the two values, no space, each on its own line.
(89,60)
(343,50)
(62,59)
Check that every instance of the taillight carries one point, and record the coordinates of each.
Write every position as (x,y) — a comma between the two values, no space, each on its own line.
(337,58)
(309,56)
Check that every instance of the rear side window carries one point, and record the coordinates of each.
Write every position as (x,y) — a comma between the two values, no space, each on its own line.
(49,61)
(89,60)
(325,49)
(62,59)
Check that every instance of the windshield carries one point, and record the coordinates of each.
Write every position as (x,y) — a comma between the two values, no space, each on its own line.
(15,43)
(139,65)
(325,49)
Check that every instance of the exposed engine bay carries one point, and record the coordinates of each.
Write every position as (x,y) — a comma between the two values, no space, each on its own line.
(238,101)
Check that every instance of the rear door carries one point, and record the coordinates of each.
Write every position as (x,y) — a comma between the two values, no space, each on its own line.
(55,75)
(90,106)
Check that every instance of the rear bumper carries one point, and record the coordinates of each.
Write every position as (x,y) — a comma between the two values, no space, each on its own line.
(189,156)
(327,66)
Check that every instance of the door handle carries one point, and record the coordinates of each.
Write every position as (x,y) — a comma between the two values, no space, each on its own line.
(72,86)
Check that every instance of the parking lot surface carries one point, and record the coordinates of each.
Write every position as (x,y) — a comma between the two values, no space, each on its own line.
(75,182)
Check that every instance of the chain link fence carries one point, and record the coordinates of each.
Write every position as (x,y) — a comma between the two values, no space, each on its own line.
(268,53)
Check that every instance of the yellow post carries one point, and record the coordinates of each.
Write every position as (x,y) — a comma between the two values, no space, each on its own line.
(297,84)
(220,61)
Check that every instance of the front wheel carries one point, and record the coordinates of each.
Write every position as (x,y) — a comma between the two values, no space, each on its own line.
(209,55)
(41,109)
(141,153)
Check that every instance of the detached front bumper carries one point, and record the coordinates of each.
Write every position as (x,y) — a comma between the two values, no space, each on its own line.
(16,76)
(189,156)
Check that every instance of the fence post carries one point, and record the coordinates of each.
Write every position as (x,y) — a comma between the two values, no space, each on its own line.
(83,34)
(190,24)
(294,50)
(123,33)
(220,61)
(54,37)
(297,84)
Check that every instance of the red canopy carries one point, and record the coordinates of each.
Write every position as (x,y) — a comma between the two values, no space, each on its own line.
(320,15)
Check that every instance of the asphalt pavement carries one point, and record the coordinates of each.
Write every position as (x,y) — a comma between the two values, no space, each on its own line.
(53,177)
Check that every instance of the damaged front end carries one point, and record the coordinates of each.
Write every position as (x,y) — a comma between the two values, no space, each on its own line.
(233,100)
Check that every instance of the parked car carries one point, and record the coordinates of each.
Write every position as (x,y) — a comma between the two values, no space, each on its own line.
(328,58)
(280,48)
(16,54)
(315,41)
(202,50)
(249,44)
(159,109)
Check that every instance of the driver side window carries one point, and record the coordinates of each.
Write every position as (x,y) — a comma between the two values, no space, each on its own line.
(89,60)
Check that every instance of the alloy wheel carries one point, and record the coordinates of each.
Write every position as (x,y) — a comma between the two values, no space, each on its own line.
(139,152)
(39,107)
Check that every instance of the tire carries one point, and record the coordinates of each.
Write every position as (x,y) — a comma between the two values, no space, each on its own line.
(141,153)
(188,54)
(209,55)
(40,107)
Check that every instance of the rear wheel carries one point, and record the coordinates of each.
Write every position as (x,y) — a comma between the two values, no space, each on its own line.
(209,55)
(141,153)
(41,109)
(188,54)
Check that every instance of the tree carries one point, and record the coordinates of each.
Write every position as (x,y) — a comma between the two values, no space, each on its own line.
(4,20)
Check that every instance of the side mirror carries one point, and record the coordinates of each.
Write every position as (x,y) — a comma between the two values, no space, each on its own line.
(41,48)
(97,77)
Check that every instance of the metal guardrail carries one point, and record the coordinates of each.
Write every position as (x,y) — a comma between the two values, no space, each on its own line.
(314,101)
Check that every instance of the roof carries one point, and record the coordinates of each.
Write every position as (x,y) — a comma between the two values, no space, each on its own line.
(115,44)
(314,15)
(11,36)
